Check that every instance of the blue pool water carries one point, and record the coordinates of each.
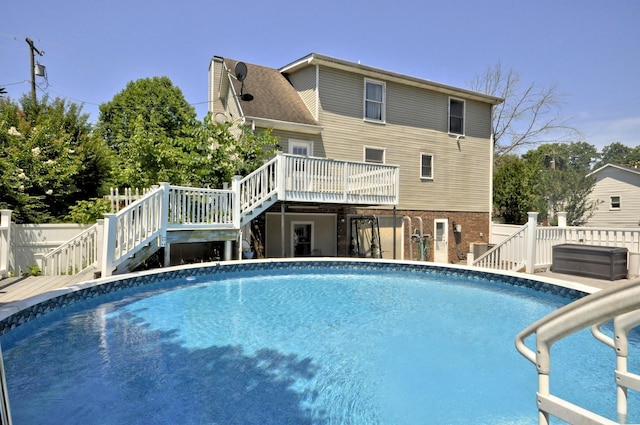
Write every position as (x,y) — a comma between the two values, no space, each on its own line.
(346,347)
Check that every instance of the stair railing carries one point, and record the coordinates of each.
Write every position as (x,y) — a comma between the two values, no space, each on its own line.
(74,256)
(509,254)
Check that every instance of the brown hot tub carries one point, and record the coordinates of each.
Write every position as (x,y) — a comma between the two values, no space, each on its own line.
(599,262)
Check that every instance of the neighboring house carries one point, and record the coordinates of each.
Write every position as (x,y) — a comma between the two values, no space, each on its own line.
(617,191)
(440,137)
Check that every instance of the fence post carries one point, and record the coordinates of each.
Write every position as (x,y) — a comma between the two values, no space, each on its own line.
(5,241)
(108,244)
(100,241)
(562,224)
(531,242)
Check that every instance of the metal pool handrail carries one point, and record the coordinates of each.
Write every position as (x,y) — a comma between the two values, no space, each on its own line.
(621,303)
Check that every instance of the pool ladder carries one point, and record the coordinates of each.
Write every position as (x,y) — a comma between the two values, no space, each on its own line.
(620,303)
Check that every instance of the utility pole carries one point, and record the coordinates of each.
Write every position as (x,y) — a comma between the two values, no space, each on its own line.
(33,67)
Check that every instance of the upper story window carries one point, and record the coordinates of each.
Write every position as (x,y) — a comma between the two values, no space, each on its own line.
(456,116)
(374,100)
(300,147)
(615,202)
(426,166)
(374,155)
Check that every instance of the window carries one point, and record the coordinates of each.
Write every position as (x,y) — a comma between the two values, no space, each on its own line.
(374,99)
(426,166)
(374,155)
(456,116)
(615,202)
(300,147)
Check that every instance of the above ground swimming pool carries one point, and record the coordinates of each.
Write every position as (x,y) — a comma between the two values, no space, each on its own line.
(314,342)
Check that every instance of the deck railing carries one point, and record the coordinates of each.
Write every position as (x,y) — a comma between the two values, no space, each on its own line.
(75,256)
(191,207)
(620,303)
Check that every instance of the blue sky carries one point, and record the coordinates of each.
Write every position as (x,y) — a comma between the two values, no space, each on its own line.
(589,49)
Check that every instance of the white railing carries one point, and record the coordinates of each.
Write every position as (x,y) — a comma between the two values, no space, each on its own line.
(5,241)
(532,246)
(509,254)
(74,256)
(193,207)
(133,227)
(328,180)
(258,187)
(284,178)
(620,303)
(122,198)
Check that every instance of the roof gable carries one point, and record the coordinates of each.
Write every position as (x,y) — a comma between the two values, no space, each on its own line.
(274,98)
(626,168)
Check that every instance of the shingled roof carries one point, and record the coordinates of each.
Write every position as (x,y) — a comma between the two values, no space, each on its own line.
(274,98)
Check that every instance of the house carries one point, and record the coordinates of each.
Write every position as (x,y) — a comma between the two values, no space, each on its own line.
(318,106)
(617,191)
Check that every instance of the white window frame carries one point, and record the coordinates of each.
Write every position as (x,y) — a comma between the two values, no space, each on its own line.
(612,203)
(383,103)
(422,155)
(464,115)
(374,148)
(306,144)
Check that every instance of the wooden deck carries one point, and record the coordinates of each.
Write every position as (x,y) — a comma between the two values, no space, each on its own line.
(20,288)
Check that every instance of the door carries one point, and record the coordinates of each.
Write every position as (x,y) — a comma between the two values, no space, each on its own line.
(441,241)
(301,238)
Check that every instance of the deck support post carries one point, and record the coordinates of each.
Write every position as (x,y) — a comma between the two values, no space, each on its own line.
(282,232)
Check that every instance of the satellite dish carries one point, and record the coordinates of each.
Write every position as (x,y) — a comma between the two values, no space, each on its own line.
(220,118)
(241,71)
(246,97)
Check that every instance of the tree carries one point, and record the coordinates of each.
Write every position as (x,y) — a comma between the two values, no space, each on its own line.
(149,128)
(617,153)
(529,114)
(513,195)
(46,158)
(561,180)
(148,105)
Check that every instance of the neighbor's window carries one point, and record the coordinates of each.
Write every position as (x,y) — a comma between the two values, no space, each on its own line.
(374,155)
(426,166)
(374,98)
(615,202)
(456,116)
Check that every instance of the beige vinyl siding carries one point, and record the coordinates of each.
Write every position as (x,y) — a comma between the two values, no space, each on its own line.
(616,182)
(285,136)
(416,122)
(305,83)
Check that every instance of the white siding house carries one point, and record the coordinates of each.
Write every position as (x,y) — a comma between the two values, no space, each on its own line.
(617,191)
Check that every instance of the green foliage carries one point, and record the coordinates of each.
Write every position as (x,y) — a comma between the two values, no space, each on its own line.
(33,271)
(514,194)
(88,211)
(151,106)
(46,158)
(549,179)
(617,153)
(224,150)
